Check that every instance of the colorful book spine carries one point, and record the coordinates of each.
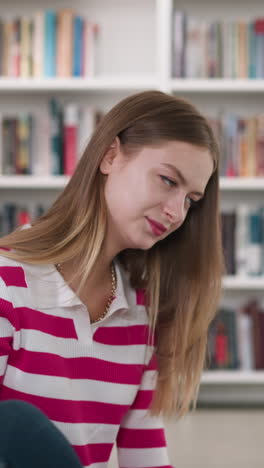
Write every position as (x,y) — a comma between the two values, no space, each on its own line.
(77,46)
(38,44)
(70,138)
(50,43)
(56,137)
(255,244)
(252,59)
(65,43)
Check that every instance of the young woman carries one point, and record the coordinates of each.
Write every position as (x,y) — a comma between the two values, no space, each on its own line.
(107,298)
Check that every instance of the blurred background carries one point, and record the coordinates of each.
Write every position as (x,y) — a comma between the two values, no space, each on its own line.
(61,70)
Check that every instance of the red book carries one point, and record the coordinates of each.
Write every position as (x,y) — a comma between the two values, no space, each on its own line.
(70,129)
(24,217)
(221,346)
(259,26)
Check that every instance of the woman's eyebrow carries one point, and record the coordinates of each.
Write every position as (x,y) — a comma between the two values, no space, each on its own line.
(180,176)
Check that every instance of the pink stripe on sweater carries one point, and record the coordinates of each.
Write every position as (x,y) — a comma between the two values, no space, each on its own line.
(93,453)
(13,276)
(140,297)
(122,336)
(70,411)
(6,345)
(7,311)
(141,438)
(56,326)
(143,399)
(76,367)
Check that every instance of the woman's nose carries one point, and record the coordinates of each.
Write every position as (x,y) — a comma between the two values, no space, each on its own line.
(175,210)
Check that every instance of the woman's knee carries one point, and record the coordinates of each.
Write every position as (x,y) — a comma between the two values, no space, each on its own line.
(19,412)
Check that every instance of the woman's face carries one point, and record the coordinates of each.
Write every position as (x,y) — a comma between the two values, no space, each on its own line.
(148,195)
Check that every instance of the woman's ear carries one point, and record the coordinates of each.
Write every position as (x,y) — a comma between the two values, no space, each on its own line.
(108,159)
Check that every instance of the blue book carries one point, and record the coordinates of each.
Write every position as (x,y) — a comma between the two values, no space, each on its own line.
(77,46)
(50,43)
(252,72)
(255,243)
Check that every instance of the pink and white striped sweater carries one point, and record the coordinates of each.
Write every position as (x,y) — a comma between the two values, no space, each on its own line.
(93,381)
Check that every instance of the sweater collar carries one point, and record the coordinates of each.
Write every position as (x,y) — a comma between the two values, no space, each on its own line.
(57,293)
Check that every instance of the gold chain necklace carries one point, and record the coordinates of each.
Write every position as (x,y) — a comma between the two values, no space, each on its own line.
(113,289)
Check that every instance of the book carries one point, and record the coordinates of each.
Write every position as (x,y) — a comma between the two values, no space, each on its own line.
(56,141)
(64,56)
(9,145)
(23,154)
(242,239)
(245,340)
(179,33)
(77,46)
(90,40)
(38,44)
(228,239)
(70,128)
(50,41)
(255,244)
(25,48)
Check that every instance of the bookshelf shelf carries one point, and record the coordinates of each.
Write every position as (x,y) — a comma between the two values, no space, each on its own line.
(243,282)
(242,183)
(104,83)
(233,377)
(218,85)
(33,182)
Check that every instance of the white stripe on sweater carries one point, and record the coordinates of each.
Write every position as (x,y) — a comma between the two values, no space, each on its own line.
(137,458)
(141,419)
(82,433)
(33,340)
(71,389)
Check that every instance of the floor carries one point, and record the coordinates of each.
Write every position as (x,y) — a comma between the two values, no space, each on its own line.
(216,439)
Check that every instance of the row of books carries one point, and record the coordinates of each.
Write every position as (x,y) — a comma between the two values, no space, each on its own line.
(13,215)
(49,142)
(49,43)
(242,144)
(217,49)
(56,137)
(236,338)
(243,240)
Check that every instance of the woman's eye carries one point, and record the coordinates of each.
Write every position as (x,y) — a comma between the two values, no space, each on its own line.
(192,203)
(168,181)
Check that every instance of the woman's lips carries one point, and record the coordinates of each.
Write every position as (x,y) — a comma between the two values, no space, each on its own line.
(156,227)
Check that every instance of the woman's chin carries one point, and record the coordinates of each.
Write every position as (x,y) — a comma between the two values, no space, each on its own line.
(143,243)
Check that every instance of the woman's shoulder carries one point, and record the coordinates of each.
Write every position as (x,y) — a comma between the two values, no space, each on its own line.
(11,271)
(5,260)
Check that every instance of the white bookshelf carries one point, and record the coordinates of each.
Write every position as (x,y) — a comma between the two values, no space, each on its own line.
(233,377)
(28,181)
(144,31)
(216,85)
(76,84)
(255,283)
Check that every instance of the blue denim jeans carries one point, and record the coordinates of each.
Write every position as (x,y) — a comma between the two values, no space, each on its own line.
(28,439)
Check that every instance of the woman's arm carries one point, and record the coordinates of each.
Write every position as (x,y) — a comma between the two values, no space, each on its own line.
(141,441)
(6,327)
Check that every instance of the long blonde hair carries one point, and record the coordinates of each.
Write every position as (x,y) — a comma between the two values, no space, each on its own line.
(181,274)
